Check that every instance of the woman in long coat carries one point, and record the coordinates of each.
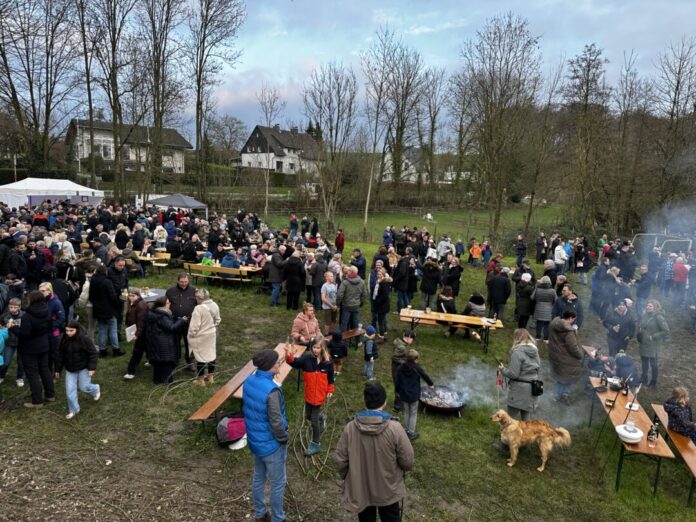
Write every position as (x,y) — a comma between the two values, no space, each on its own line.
(294,277)
(202,336)
(651,335)
(161,332)
(522,369)
(544,297)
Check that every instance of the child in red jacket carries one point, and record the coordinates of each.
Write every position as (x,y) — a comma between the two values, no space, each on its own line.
(318,375)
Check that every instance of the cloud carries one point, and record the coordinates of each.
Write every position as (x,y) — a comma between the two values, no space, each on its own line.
(436,28)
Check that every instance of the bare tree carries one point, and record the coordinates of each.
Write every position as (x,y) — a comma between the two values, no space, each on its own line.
(459,102)
(376,63)
(38,54)
(501,66)
(227,135)
(587,97)
(213,27)
(272,106)
(330,100)
(675,103)
(432,101)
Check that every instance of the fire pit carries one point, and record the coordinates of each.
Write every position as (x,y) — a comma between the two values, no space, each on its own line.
(443,399)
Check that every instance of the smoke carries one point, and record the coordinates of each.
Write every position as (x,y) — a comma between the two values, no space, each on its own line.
(476,380)
(674,219)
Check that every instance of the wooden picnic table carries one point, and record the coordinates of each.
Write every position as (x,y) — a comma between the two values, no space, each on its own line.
(285,368)
(416,317)
(618,415)
(233,387)
(153,294)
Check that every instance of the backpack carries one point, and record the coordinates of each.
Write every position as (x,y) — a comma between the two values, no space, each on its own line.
(231,428)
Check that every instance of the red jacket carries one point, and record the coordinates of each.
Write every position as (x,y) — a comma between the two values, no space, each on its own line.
(680,273)
(318,377)
(340,241)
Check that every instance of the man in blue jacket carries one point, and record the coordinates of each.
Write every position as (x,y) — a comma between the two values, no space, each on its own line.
(267,434)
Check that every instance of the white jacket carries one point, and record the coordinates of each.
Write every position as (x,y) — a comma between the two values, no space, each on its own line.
(559,255)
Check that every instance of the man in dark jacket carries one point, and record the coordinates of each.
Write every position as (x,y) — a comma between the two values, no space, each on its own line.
(567,300)
(358,260)
(275,273)
(565,355)
(118,275)
(106,305)
(621,326)
(520,249)
(16,263)
(401,280)
(499,290)
(183,301)
(643,288)
(317,271)
(35,264)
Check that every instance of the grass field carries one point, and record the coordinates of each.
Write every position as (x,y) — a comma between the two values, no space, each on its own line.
(134,456)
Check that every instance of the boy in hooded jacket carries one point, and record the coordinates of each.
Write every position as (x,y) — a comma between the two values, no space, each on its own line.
(408,387)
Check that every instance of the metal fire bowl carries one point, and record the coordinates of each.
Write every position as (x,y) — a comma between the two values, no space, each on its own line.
(442,399)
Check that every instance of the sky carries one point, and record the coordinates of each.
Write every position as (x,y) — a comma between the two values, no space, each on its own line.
(284,40)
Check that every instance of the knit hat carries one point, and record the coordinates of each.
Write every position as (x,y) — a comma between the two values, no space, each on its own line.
(375,395)
(265,359)
(370,330)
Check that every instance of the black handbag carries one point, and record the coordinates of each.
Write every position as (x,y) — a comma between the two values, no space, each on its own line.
(537,386)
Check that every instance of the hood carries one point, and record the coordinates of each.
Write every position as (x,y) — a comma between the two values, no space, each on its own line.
(544,285)
(353,281)
(529,350)
(372,422)
(559,325)
(39,310)
(477,300)
(408,369)
(161,311)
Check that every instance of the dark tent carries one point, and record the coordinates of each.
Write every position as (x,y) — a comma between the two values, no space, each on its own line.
(179,201)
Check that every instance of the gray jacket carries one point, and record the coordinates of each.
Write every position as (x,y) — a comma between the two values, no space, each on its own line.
(275,272)
(351,293)
(524,366)
(544,298)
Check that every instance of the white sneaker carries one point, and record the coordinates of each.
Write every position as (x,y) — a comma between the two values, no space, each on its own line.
(98,395)
(129,376)
(20,383)
(70,415)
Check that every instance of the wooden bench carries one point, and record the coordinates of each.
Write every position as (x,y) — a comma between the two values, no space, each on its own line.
(233,387)
(684,446)
(237,275)
(161,260)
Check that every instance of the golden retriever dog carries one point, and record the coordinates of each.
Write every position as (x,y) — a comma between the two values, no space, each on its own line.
(517,434)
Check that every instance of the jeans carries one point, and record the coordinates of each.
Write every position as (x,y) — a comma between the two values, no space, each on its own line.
(402,300)
(138,352)
(110,325)
(650,362)
(391,513)
(516,413)
(80,379)
(317,297)
(275,293)
(542,326)
(560,389)
(39,376)
(271,468)
(427,301)
(369,370)
(349,319)
(560,268)
(312,415)
(410,415)
(519,260)
(8,355)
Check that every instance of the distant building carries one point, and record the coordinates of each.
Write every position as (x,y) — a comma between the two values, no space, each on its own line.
(286,151)
(134,153)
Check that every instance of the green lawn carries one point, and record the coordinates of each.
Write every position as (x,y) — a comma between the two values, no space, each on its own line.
(133,455)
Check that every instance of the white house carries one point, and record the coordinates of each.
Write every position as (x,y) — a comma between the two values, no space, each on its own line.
(286,151)
(136,146)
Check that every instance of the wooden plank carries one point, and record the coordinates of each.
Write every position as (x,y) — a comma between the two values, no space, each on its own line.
(617,414)
(421,316)
(285,368)
(222,394)
(350,334)
(684,445)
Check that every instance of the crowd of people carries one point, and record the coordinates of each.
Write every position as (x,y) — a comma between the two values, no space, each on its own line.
(66,296)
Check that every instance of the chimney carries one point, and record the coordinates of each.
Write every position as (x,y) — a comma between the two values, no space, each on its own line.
(276,127)
(294,130)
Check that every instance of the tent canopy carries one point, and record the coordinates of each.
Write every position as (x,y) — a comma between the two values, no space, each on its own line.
(178,201)
(21,192)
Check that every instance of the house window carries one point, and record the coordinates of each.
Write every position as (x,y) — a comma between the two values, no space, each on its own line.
(279,166)
(248,163)
(125,152)
(292,166)
(106,151)
(258,164)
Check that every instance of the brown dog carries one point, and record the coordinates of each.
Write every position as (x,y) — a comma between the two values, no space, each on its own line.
(517,434)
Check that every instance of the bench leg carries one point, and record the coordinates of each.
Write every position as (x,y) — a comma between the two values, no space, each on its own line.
(486,334)
(299,374)
(657,476)
(690,502)
(592,401)
(618,470)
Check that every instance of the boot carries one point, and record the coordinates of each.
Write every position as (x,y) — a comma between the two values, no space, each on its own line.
(199,381)
(210,378)
(314,448)
(103,352)
(116,352)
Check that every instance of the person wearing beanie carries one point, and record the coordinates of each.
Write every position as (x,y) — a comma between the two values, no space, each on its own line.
(318,375)
(267,434)
(524,306)
(401,347)
(372,457)
(408,379)
(371,353)
(338,350)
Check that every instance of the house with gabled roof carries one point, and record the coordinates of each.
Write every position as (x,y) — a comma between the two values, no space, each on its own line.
(278,150)
(137,144)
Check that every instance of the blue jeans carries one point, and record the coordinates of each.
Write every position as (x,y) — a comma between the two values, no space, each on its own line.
(8,355)
(271,468)
(369,369)
(317,297)
(275,293)
(560,389)
(110,325)
(80,379)
(349,318)
(402,300)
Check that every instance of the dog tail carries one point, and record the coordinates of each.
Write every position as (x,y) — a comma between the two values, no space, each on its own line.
(562,437)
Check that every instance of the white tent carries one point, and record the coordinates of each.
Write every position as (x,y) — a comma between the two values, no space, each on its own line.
(31,191)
